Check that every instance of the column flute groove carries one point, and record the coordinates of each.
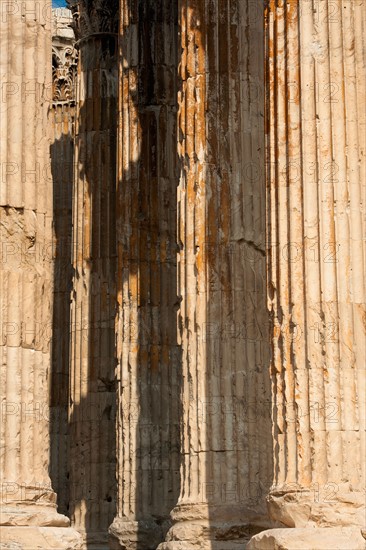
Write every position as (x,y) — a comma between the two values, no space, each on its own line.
(92,401)
(148,351)
(315,196)
(223,318)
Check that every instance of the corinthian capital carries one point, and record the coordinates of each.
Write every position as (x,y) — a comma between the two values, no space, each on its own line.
(64,67)
(94,17)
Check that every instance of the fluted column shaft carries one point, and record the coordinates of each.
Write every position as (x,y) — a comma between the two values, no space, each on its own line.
(28,503)
(226,431)
(26,267)
(315,132)
(148,352)
(92,387)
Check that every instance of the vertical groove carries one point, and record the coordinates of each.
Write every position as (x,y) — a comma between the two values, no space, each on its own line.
(92,378)
(314,201)
(221,218)
(148,353)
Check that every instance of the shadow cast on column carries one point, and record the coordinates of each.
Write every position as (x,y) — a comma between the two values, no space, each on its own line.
(62,162)
(92,385)
(149,356)
(239,429)
(155,231)
(237,442)
(227,445)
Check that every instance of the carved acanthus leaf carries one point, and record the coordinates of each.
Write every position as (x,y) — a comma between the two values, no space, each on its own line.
(94,16)
(64,69)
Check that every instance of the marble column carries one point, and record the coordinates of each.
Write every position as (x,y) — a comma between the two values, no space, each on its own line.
(92,376)
(28,502)
(148,351)
(316,271)
(223,322)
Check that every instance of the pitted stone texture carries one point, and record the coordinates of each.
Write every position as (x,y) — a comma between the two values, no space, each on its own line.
(300,509)
(135,535)
(39,538)
(27,515)
(308,539)
(210,535)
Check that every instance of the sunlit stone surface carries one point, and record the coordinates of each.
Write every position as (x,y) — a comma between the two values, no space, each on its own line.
(182,275)
(29,517)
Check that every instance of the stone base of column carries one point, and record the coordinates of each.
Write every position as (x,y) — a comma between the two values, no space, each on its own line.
(42,538)
(303,507)
(306,538)
(206,535)
(137,535)
(32,516)
(30,526)
(201,527)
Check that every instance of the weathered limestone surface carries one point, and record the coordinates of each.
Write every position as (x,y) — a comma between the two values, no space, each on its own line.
(226,429)
(62,122)
(211,238)
(334,538)
(26,280)
(148,352)
(316,265)
(92,378)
